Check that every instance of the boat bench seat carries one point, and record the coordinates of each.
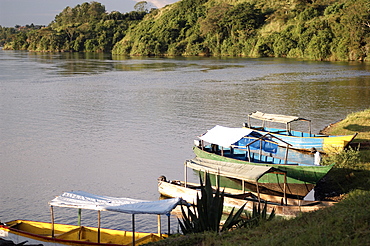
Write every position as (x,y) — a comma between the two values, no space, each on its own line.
(76,230)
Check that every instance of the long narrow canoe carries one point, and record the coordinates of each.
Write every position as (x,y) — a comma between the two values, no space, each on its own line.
(292,208)
(41,233)
(300,178)
(298,139)
(46,233)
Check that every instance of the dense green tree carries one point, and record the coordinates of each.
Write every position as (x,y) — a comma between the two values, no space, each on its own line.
(141,6)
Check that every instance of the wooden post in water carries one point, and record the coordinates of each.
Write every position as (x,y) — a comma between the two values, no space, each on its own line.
(52,221)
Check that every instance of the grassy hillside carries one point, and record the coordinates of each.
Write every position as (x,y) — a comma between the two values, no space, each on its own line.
(320,30)
(346,223)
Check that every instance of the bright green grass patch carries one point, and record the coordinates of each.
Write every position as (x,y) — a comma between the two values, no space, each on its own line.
(347,223)
(355,122)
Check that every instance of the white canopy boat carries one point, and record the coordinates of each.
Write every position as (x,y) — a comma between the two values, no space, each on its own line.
(48,233)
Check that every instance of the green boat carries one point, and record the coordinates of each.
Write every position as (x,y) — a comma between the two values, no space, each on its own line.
(232,145)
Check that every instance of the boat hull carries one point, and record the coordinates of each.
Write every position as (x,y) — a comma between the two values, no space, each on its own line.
(292,209)
(41,233)
(300,179)
(306,141)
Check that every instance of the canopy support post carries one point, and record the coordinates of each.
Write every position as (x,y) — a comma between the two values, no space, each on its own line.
(159,226)
(79,217)
(286,154)
(52,221)
(133,229)
(285,186)
(258,192)
(186,173)
(287,128)
(243,184)
(218,177)
(168,223)
(260,152)
(99,218)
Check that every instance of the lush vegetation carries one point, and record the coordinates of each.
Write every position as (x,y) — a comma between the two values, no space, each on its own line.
(86,28)
(320,29)
(346,223)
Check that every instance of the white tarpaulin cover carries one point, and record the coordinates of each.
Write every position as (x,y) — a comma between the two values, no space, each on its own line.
(275,117)
(84,200)
(225,136)
(228,169)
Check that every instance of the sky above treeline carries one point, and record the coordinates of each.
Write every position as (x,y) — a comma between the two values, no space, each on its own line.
(42,12)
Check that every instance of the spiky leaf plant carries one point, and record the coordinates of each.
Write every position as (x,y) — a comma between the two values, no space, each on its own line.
(206,214)
(259,214)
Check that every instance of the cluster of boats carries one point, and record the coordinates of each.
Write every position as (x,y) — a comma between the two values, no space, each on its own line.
(252,164)
(260,163)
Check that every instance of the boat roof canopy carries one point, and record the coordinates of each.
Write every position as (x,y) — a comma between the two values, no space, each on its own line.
(224,136)
(279,118)
(232,170)
(84,200)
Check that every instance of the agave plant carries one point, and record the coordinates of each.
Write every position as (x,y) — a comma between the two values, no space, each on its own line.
(258,215)
(206,214)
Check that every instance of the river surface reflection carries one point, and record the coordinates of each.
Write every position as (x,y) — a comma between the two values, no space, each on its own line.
(113,125)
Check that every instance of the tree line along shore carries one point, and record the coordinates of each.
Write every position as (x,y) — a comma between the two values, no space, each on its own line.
(303,29)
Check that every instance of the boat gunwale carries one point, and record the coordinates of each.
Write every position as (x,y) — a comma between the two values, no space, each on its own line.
(293,136)
(261,164)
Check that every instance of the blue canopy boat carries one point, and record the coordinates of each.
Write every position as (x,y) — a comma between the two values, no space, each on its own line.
(298,139)
(247,146)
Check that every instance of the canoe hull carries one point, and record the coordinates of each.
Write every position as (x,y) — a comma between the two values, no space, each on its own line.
(302,141)
(293,208)
(300,179)
(40,233)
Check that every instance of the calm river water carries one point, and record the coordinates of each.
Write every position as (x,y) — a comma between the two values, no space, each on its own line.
(113,125)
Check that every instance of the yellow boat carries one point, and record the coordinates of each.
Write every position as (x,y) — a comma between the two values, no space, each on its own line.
(50,233)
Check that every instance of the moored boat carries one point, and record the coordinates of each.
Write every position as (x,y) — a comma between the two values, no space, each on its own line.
(298,139)
(287,208)
(245,146)
(47,233)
